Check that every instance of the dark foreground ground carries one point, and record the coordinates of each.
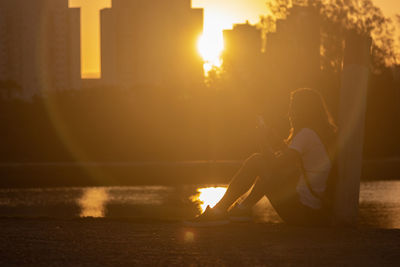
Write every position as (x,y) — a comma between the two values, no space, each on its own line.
(126,242)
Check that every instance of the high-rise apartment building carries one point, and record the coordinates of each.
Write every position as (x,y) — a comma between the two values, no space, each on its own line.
(151,43)
(293,50)
(108,47)
(40,45)
(242,55)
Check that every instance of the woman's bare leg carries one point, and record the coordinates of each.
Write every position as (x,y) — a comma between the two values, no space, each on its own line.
(254,166)
(256,193)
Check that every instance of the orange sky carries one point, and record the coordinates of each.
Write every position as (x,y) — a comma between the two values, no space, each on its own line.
(218,15)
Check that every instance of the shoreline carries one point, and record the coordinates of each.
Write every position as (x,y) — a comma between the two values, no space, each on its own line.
(67,174)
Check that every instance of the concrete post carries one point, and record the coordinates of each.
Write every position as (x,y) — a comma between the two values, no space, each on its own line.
(352,107)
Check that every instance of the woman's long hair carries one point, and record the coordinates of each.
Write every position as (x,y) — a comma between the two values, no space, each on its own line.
(308,110)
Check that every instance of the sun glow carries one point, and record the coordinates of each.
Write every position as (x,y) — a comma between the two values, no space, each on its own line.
(218,15)
(209,196)
(210,46)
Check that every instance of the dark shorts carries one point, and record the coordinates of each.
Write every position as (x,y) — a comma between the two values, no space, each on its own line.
(293,212)
(281,191)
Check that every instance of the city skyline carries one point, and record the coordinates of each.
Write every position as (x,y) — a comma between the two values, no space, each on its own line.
(218,16)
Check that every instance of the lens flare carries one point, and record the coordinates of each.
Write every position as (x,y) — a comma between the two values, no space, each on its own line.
(189,237)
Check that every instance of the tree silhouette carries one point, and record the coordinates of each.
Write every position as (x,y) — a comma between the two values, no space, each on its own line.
(337,17)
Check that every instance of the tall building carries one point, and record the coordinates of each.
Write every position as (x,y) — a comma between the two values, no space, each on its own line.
(3,43)
(242,55)
(108,47)
(293,51)
(74,48)
(151,43)
(40,45)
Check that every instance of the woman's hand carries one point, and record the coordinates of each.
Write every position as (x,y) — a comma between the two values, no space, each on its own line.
(268,138)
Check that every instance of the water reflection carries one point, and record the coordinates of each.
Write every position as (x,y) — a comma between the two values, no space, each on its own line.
(93,201)
(379,203)
(208,196)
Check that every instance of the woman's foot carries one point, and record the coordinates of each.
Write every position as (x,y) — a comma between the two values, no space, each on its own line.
(210,217)
(240,213)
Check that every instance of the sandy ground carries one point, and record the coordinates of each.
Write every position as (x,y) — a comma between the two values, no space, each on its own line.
(126,242)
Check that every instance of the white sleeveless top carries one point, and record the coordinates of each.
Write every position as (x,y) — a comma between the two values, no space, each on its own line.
(316,164)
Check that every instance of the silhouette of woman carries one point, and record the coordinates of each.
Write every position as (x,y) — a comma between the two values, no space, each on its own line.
(291,173)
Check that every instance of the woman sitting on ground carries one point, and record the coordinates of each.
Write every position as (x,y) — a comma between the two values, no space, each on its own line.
(292,175)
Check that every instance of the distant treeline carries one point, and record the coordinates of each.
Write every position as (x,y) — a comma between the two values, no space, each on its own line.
(107,124)
(116,125)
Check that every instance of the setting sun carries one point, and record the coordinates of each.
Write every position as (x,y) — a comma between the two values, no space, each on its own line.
(210,47)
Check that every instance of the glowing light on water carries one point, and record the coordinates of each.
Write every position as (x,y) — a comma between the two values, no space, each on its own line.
(209,196)
(93,202)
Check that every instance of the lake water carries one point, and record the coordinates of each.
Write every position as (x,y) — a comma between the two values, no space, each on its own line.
(379,203)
